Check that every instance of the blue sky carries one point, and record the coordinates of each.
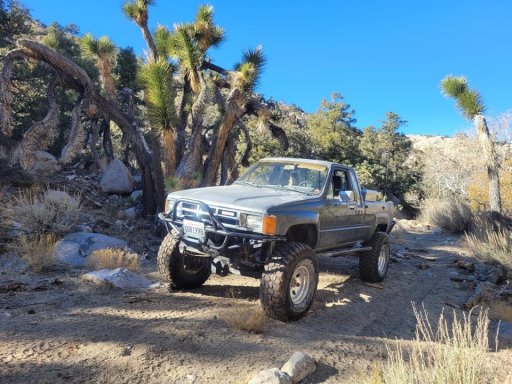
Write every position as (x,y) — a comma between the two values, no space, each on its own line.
(381,55)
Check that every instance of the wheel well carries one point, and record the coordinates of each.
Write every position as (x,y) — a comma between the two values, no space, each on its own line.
(303,233)
(382,228)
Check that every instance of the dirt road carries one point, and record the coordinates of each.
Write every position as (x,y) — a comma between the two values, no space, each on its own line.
(75,332)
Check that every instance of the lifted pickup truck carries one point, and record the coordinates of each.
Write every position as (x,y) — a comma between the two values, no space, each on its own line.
(272,224)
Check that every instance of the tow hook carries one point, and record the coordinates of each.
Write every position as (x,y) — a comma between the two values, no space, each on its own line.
(220,267)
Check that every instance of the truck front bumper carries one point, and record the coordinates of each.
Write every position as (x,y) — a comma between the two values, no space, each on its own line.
(217,237)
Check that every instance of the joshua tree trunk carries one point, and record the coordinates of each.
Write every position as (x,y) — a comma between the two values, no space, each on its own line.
(76,135)
(235,109)
(492,164)
(41,134)
(149,41)
(182,123)
(76,78)
(169,144)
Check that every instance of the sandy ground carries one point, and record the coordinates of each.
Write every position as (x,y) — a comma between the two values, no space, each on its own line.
(75,332)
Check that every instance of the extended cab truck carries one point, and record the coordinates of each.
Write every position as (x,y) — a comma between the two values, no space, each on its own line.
(272,224)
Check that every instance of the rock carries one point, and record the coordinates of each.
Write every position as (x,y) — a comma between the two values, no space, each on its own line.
(45,164)
(119,278)
(505,334)
(137,179)
(117,178)
(130,213)
(191,378)
(437,231)
(271,376)
(136,196)
(82,228)
(74,248)
(299,366)
(465,265)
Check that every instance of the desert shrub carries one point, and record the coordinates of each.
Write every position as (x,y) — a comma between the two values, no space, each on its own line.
(250,319)
(48,212)
(455,353)
(111,258)
(451,215)
(489,244)
(36,250)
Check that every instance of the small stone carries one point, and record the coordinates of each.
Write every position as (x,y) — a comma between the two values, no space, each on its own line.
(130,213)
(299,366)
(437,231)
(191,378)
(136,195)
(271,376)
(7,314)
(119,278)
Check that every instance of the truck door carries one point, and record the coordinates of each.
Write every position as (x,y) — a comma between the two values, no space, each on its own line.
(341,221)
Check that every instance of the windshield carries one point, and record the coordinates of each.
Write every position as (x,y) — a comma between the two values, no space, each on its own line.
(302,177)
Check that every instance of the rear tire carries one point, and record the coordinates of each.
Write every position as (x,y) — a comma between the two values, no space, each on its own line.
(177,269)
(374,264)
(289,281)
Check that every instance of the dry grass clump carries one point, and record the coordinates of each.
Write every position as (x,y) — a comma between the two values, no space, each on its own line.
(250,319)
(490,245)
(37,250)
(452,216)
(111,258)
(49,212)
(456,353)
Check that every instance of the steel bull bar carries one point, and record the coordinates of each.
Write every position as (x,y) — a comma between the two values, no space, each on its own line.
(213,226)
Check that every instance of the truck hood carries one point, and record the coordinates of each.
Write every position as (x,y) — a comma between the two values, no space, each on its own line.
(241,197)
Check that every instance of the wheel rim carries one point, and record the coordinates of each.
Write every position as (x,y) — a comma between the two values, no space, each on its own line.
(383,259)
(300,285)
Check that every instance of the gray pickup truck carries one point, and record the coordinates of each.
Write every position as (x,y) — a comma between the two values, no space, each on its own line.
(272,224)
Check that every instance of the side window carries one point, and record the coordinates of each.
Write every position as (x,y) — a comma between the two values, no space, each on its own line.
(343,181)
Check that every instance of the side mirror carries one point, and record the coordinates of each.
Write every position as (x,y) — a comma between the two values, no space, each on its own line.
(346,196)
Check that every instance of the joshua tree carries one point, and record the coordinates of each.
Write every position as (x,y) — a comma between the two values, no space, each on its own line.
(471,106)
(103,51)
(137,11)
(242,82)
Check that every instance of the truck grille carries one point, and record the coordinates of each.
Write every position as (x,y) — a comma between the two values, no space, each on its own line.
(193,211)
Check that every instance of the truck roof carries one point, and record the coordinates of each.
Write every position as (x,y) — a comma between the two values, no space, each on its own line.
(311,161)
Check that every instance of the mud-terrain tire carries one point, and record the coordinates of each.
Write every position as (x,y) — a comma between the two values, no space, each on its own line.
(289,281)
(171,266)
(374,264)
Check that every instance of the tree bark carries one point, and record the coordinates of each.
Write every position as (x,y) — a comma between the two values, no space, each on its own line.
(234,110)
(41,134)
(491,162)
(169,144)
(76,135)
(149,41)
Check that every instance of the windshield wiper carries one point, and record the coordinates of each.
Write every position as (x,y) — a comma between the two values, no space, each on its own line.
(248,183)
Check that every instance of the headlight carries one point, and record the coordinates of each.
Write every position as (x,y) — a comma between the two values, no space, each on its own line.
(264,224)
(254,222)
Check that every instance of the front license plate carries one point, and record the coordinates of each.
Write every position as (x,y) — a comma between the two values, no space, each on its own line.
(193,229)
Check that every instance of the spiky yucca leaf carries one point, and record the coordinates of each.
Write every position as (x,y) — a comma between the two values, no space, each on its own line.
(159,93)
(137,10)
(248,72)
(89,45)
(162,40)
(468,100)
(470,104)
(453,86)
(206,32)
(184,48)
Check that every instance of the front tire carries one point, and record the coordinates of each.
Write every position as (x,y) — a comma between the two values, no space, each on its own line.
(289,281)
(374,264)
(181,271)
